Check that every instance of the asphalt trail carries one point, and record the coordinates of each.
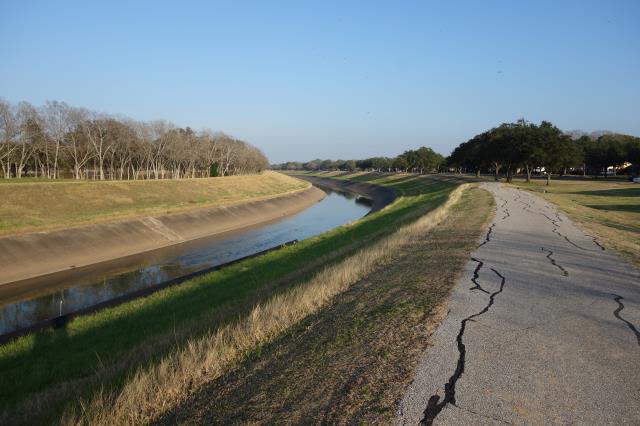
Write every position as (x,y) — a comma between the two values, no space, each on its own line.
(542,329)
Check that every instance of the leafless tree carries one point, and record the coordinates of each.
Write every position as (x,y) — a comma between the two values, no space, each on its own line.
(76,145)
(58,121)
(58,139)
(9,130)
(31,135)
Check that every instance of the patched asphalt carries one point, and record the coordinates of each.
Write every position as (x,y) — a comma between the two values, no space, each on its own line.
(542,329)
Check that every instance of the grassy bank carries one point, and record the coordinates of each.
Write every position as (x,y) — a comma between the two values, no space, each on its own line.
(352,360)
(35,205)
(43,372)
(609,211)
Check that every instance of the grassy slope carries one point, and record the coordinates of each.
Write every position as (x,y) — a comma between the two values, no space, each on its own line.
(351,362)
(35,205)
(103,348)
(607,210)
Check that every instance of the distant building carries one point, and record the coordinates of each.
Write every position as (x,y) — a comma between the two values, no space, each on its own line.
(612,170)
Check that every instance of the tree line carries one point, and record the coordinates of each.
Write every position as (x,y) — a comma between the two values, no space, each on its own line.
(58,141)
(421,160)
(528,147)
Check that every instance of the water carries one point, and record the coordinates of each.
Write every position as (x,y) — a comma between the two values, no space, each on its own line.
(32,301)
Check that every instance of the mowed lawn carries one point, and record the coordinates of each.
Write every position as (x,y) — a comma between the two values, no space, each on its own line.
(608,210)
(35,205)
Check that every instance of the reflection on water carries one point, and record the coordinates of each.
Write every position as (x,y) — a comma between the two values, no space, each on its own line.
(74,290)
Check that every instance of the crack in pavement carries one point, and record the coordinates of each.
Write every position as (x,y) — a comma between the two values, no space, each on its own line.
(530,310)
(434,407)
(549,219)
(574,244)
(556,225)
(553,261)
(476,275)
(596,242)
(555,231)
(487,238)
(619,309)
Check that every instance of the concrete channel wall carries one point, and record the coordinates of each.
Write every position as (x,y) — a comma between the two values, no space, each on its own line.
(381,196)
(40,253)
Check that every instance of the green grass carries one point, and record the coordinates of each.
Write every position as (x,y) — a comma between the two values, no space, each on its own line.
(608,210)
(351,361)
(35,204)
(404,184)
(116,341)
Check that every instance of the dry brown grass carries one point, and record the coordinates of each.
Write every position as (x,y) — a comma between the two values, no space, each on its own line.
(44,205)
(153,391)
(608,210)
(351,362)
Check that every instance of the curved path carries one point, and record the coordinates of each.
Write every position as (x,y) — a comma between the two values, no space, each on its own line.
(543,328)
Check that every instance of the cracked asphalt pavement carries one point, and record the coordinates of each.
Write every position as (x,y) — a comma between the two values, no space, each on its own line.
(542,329)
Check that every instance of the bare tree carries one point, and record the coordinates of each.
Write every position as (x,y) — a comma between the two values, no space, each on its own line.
(76,145)
(58,121)
(96,132)
(58,138)
(9,130)
(31,135)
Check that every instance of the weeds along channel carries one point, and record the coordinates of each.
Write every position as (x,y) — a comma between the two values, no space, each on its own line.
(130,363)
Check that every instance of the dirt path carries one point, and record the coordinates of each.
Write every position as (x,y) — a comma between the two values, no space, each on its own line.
(542,329)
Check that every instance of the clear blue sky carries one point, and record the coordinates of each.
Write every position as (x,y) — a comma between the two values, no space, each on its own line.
(332,79)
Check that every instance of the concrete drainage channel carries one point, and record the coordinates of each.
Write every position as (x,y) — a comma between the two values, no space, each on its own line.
(379,197)
(62,320)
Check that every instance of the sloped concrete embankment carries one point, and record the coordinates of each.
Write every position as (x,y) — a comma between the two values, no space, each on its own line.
(380,196)
(40,253)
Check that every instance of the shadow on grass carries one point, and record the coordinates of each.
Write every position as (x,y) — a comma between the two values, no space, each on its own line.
(365,177)
(633,208)
(620,227)
(625,192)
